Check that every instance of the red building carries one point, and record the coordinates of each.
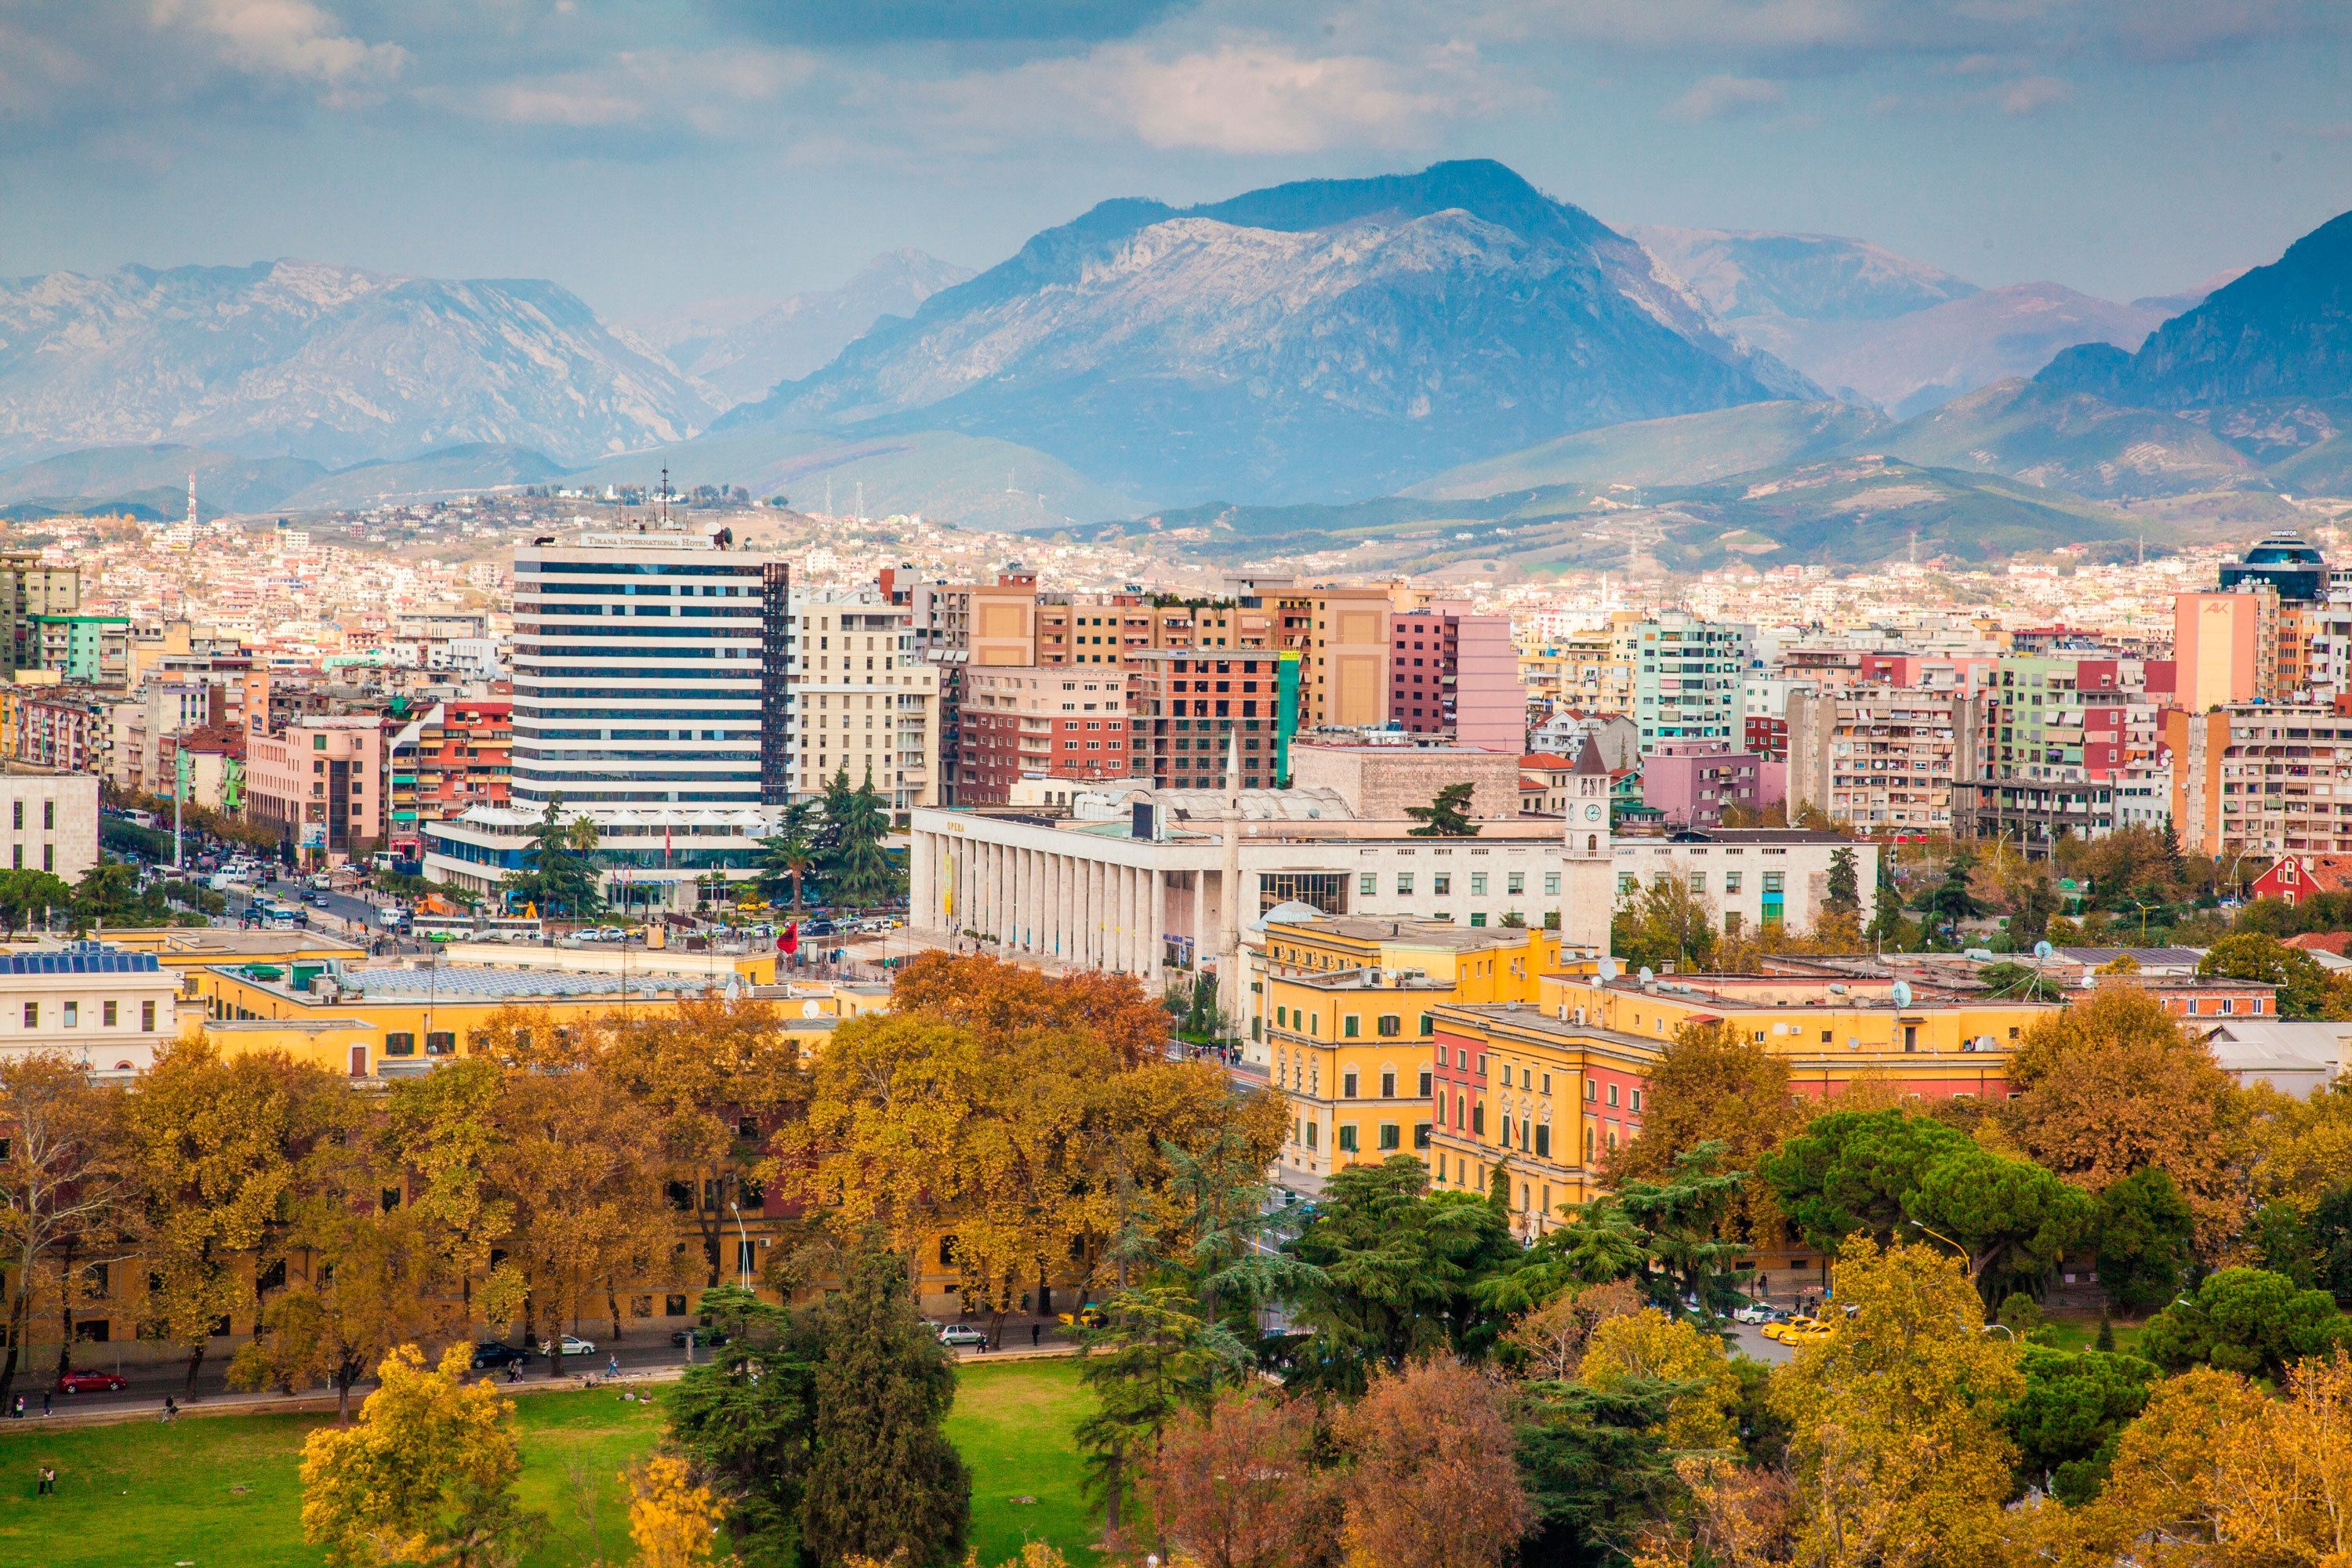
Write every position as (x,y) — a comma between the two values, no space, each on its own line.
(2292,878)
(1040,722)
(465,757)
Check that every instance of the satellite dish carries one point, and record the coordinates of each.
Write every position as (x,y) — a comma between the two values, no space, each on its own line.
(2042,950)
(1903,993)
(1608,970)
(811,1010)
(1645,976)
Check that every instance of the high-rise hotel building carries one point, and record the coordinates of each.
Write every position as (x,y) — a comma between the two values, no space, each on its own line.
(652,673)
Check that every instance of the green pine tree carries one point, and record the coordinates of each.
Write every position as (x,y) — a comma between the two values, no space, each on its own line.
(744,1418)
(1156,1352)
(1447,816)
(1845,884)
(559,869)
(857,873)
(886,1482)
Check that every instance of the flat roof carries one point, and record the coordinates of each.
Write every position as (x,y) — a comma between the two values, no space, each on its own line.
(1430,933)
(466,983)
(205,944)
(1527,1015)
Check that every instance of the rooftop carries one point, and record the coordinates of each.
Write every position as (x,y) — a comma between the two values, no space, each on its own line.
(1422,933)
(466,982)
(79,958)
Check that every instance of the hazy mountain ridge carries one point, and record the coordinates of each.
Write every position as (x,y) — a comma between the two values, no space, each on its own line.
(1326,338)
(330,363)
(741,356)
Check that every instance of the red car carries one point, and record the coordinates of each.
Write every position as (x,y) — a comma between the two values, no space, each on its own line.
(90,1383)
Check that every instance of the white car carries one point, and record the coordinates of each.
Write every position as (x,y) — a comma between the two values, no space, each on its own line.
(1754,1313)
(956,1336)
(572,1345)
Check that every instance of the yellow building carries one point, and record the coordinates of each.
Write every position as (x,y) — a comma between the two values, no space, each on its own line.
(394,1022)
(1345,1014)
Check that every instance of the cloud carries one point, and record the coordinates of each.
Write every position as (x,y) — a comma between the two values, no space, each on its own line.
(1727,98)
(2034,94)
(1260,98)
(895,22)
(292,38)
(702,90)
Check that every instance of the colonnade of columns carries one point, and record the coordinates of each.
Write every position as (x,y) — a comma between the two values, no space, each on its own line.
(1084,913)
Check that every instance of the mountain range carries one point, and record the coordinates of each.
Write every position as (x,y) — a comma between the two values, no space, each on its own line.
(1325,338)
(330,364)
(1454,339)
(740,349)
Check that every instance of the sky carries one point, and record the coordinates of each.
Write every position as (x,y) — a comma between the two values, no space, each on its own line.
(652,153)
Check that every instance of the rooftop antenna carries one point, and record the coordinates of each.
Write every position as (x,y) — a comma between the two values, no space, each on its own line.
(191,501)
(665,499)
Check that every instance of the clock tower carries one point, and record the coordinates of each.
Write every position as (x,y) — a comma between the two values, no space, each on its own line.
(1588,889)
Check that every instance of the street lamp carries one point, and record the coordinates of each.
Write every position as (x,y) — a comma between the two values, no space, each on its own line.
(1940,1236)
(743,1257)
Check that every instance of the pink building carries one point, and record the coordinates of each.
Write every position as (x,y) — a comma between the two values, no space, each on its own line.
(320,783)
(1691,782)
(1454,673)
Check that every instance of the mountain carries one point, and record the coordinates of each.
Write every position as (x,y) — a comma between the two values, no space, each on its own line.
(1749,275)
(1332,337)
(740,354)
(330,364)
(974,480)
(2265,361)
(1688,449)
(453,470)
(2071,441)
(225,482)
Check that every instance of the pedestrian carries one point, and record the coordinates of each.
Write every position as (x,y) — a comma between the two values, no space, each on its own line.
(1036,1334)
(17,1410)
(613,1365)
(170,1408)
(44,1402)
(48,1476)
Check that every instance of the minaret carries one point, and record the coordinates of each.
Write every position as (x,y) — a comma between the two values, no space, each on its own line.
(1588,889)
(1229,962)
(191,503)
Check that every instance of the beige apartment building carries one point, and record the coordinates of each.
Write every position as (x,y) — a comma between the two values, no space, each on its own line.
(1884,758)
(49,818)
(2258,779)
(28,590)
(2225,648)
(865,702)
(1342,638)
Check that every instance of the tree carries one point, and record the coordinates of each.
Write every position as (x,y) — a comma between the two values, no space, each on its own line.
(25,894)
(1850,1171)
(1549,1342)
(59,1183)
(2073,1405)
(1661,924)
(1005,1002)
(1895,1420)
(788,855)
(1235,1485)
(2304,991)
(856,872)
(1597,1473)
(427,1475)
(2113,1085)
(559,869)
(1447,816)
(746,1420)
(2143,1233)
(2014,1218)
(1154,1356)
(1844,895)
(884,1482)
(1433,1483)
(674,1522)
(2168,1480)
(1648,1347)
(1712,1084)
(2245,1320)
(1950,901)
(1681,1220)
(1396,1274)
(2014,982)
(218,1154)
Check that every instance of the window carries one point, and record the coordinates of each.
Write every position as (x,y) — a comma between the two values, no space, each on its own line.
(147,1016)
(1390,1024)
(1592,1089)
(1516,882)
(1441,883)
(1420,1138)
(1776,882)
(1428,1025)
(441,1043)
(1731,881)
(1347,1138)
(108,1014)
(1543,1141)
(1367,883)
(1426,1081)
(1388,1083)
(1351,1026)
(1310,1134)
(1404,883)
(1547,1083)
(399,1044)
(1478,918)
(1282,1017)
(1477,884)
(1699,881)
(1348,1085)
(73,1014)
(32,1015)
(1389,1135)
(1637,1099)
(1478,1119)
(1551,882)
(1627,883)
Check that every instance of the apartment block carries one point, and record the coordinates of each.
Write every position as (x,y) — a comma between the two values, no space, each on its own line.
(2225,647)
(1183,706)
(1054,721)
(1884,758)
(1454,673)
(1689,675)
(2260,779)
(863,701)
(1341,636)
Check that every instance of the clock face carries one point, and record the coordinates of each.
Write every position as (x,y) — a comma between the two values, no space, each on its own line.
(1591,814)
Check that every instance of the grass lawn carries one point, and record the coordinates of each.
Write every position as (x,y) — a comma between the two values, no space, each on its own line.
(2079,1333)
(1011,1423)
(222,1491)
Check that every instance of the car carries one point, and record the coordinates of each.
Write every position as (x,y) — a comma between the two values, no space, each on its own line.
(317,900)
(957,1335)
(817,928)
(572,1345)
(90,1383)
(610,933)
(699,1336)
(497,1356)
(1756,1313)
(1086,1317)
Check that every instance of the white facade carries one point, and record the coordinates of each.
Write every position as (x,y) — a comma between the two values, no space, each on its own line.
(101,1005)
(861,699)
(1753,877)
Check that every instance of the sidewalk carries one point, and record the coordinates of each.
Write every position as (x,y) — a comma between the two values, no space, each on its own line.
(316,1401)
